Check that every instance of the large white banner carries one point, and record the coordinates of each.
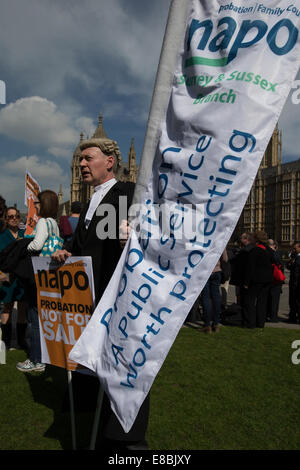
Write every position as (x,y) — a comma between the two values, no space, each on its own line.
(234,70)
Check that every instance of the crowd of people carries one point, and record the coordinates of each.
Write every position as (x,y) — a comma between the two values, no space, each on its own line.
(257,272)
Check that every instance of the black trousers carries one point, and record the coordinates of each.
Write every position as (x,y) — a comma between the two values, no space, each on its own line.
(194,313)
(254,304)
(273,302)
(294,302)
(85,394)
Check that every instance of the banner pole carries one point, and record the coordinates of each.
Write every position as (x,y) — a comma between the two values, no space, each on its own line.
(97,418)
(72,412)
(174,32)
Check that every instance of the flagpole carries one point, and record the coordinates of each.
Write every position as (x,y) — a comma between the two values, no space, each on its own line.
(96,418)
(72,411)
(162,89)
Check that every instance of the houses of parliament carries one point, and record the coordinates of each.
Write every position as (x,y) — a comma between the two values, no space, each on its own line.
(273,204)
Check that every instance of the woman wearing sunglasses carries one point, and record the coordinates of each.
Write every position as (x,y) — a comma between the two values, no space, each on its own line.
(11,289)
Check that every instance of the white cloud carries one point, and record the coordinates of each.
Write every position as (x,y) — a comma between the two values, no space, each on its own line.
(49,174)
(38,122)
(60,152)
(41,169)
(60,61)
(53,47)
(86,125)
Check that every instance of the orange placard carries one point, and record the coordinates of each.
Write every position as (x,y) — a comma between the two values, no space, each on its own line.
(32,189)
(65,305)
(32,218)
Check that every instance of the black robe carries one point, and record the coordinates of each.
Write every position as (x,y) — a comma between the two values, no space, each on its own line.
(106,252)
(105,255)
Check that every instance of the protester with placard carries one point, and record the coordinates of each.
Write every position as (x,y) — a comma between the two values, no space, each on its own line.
(46,241)
(97,235)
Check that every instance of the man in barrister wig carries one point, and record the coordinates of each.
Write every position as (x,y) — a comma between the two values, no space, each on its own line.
(99,162)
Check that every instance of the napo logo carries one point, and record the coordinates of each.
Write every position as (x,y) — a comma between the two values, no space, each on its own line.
(281,38)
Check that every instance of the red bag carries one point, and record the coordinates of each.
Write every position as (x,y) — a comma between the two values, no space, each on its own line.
(278,275)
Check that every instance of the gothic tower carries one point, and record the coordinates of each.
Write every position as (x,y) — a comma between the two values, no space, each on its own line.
(60,194)
(273,154)
(100,132)
(75,175)
(132,162)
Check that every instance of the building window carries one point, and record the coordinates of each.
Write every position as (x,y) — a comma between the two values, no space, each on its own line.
(293,190)
(285,212)
(285,234)
(293,232)
(286,190)
(247,219)
(293,212)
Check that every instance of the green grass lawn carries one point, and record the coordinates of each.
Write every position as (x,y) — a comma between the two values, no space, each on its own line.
(234,390)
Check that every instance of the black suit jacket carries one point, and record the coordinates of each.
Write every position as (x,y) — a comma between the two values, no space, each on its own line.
(106,252)
(258,268)
(105,256)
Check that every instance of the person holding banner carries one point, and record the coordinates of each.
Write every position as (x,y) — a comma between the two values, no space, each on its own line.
(46,204)
(98,236)
(12,289)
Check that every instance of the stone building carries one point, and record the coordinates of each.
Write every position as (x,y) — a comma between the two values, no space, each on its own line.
(273,204)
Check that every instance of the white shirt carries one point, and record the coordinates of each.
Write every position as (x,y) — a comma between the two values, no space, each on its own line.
(99,193)
(41,233)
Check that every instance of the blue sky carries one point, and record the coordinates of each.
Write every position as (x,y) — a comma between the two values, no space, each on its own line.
(64,63)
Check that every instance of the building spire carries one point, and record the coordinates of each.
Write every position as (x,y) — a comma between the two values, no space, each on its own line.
(60,194)
(132,161)
(100,132)
(132,156)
